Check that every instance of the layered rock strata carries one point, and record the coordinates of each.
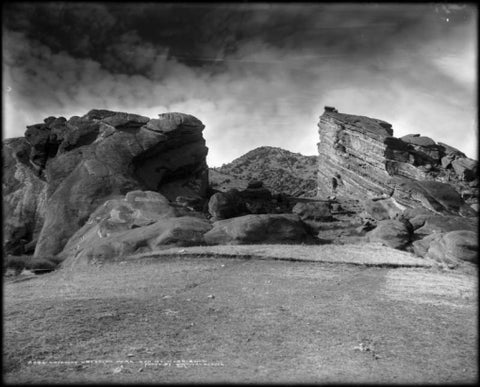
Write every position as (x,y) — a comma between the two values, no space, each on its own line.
(360,158)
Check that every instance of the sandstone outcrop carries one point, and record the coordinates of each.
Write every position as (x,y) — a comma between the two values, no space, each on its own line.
(393,233)
(313,214)
(24,197)
(87,160)
(254,199)
(359,157)
(180,231)
(383,208)
(450,248)
(138,222)
(265,228)
(429,224)
(224,205)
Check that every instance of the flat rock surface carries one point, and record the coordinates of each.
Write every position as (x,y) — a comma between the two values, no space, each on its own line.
(237,320)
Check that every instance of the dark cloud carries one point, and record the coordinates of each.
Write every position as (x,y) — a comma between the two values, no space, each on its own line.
(256,74)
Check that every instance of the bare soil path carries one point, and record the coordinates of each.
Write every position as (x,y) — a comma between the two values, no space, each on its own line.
(213,319)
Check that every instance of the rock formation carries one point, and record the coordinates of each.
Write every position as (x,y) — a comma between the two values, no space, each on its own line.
(84,161)
(313,213)
(110,184)
(393,233)
(450,248)
(224,205)
(138,222)
(254,199)
(24,197)
(360,158)
(265,228)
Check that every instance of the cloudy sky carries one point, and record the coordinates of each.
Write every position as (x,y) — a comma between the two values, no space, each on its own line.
(255,74)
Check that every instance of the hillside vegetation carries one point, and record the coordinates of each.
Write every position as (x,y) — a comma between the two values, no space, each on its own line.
(279,170)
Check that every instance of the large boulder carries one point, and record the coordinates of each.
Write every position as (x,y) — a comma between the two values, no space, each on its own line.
(449,248)
(438,197)
(429,224)
(84,161)
(314,214)
(224,205)
(426,149)
(264,228)
(393,233)
(465,168)
(382,208)
(114,219)
(259,200)
(135,209)
(95,246)
(342,231)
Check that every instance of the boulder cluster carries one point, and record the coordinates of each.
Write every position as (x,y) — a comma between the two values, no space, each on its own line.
(110,184)
(409,188)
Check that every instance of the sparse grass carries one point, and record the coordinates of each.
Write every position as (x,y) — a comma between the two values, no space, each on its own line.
(262,320)
(365,254)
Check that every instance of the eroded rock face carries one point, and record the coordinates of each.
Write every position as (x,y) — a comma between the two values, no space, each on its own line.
(24,196)
(87,160)
(138,222)
(393,233)
(429,224)
(450,248)
(265,228)
(313,214)
(382,209)
(224,205)
(176,231)
(359,157)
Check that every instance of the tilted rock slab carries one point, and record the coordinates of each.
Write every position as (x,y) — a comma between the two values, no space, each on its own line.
(450,248)
(360,158)
(86,160)
(430,224)
(141,221)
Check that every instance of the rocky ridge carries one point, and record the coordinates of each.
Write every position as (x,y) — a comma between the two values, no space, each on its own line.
(110,184)
(280,171)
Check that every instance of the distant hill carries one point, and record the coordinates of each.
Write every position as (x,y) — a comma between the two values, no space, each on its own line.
(279,170)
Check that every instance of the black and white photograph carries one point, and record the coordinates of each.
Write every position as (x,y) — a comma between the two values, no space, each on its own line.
(240,192)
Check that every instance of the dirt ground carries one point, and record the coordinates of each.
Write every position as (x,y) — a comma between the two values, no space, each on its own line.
(206,319)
